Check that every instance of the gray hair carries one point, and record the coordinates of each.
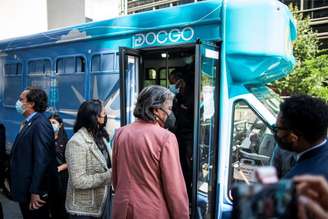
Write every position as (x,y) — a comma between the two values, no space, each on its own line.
(151,97)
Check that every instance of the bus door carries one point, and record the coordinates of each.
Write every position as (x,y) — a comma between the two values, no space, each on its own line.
(205,149)
(129,82)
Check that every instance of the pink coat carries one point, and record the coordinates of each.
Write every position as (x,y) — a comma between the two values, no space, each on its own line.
(147,175)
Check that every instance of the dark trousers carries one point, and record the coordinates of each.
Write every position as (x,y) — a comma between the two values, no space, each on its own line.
(41,213)
(1,212)
(2,169)
(57,206)
(186,151)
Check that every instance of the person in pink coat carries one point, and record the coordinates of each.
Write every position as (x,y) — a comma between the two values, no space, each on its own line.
(147,176)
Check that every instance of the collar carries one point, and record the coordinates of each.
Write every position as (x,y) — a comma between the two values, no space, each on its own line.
(311,148)
(28,119)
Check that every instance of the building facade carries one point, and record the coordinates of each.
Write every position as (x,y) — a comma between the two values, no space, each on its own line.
(135,6)
(317,10)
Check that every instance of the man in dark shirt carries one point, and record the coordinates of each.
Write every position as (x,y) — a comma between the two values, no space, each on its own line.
(183,109)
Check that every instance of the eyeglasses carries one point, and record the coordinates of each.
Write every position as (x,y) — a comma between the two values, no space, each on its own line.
(275,128)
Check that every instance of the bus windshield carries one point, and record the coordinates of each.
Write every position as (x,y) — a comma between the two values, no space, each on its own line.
(268,97)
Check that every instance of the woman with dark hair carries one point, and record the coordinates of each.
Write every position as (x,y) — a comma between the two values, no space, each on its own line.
(147,175)
(89,165)
(61,139)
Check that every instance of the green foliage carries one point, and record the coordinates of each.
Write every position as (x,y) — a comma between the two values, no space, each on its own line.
(310,75)
(307,43)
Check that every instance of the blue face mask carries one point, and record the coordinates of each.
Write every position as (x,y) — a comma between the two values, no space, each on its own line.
(19,107)
(173,89)
(55,128)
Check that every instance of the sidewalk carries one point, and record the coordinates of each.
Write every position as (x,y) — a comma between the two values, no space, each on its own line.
(10,208)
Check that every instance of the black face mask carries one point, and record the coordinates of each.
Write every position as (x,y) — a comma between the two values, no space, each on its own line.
(170,120)
(283,144)
(104,124)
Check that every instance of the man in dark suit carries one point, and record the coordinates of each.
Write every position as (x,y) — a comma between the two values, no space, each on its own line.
(32,160)
(2,154)
(2,160)
(301,127)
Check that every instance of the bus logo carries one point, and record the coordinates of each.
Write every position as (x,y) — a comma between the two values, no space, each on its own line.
(163,37)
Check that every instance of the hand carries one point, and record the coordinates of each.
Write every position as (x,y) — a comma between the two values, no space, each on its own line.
(313,192)
(62,167)
(36,202)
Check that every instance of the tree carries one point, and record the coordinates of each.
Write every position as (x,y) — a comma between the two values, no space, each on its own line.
(310,75)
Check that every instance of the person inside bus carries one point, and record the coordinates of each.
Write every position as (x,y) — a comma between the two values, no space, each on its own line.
(174,78)
(89,164)
(183,108)
(147,176)
(60,145)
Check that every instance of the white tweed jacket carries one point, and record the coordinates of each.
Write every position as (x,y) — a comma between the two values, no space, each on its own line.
(89,178)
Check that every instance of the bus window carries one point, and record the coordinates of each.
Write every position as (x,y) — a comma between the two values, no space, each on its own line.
(103,62)
(163,76)
(38,74)
(70,65)
(151,77)
(36,67)
(104,76)
(13,69)
(70,79)
(12,83)
(107,62)
(80,64)
(60,66)
(252,143)
(95,63)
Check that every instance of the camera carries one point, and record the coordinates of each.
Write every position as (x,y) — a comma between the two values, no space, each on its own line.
(264,201)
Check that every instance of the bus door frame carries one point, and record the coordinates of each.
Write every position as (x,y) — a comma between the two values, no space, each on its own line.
(124,62)
(212,194)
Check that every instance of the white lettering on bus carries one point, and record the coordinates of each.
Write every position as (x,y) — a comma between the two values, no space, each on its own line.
(163,32)
(163,36)
(150,40)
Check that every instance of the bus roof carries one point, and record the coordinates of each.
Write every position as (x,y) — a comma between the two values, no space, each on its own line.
(185,15)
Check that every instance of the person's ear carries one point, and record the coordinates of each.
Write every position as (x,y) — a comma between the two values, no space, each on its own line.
(156,112)
(293,137)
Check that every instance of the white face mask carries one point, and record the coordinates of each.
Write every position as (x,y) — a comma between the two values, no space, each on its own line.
(20,107)
(55,128)
(188,60)
(173,89)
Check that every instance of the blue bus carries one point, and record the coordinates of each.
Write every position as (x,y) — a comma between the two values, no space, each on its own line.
(233,49)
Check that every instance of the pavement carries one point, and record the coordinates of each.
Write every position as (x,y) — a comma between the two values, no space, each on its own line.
(10,208)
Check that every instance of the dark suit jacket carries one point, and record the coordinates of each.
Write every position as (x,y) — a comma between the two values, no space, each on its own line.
(2,139)
(33,159)
(314,162)
(3,157)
